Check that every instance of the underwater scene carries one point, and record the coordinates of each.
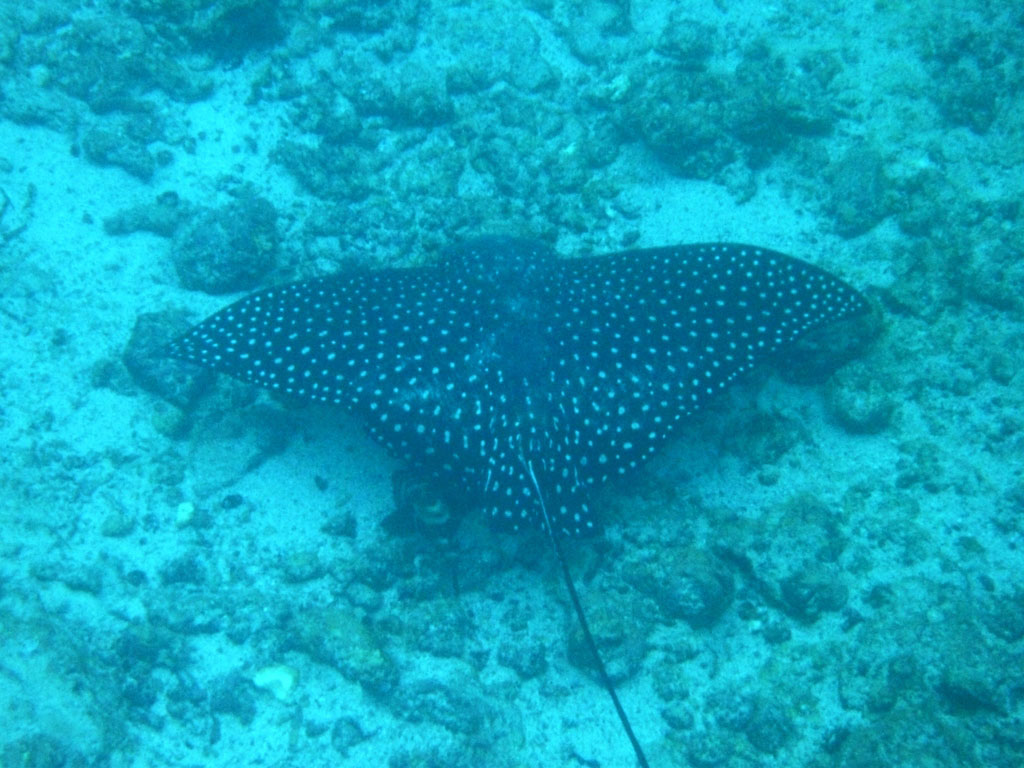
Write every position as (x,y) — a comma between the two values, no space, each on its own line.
(575,383)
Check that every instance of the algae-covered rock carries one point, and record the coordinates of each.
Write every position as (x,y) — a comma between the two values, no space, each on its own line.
(233,695)
(811,591)
(484,54)
(118,523)
(620,628)
(421,96)
(880,678)
(331,171)
(922,462)
(687,583)
(699,121)
(1003,615)
(365,15)
(678,114)
(301,566)
(967,693)
(161,217)
(686,39)
(189,569)
(996,272)
(437,626)
(415,93)
(858,190)
(42,750)
(229,248)
(769,728)
(762,438)
(458,703)
(771,102)
(706,747)
(790,555)
(595,30)
(485,732)
(105,145)
(110,62)
(527,656)
(145,358)
(860,399)
(229,29)
(337,636)
(346,733)
(968,94)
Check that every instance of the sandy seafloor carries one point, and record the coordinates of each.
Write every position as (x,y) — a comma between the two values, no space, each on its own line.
(819,573)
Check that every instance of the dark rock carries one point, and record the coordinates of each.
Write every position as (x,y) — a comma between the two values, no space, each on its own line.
(229,29)
(678,115)
(967,94)
(686,39)
(769,729)
(301,566)
(140,694)
(115,146)
(965,694)
(341,524)
(859,399)
(620,628)
(734,709)
(528,661)
(437,627)
(679,716)
(233,695)
(1002,368)
(858,191)
(87,579)
(709,748)
(1004,616)
(161,217)
(460,704)
(687,583)
(145,357)
(142,646)
(808,594)
(700,122)
(771,103)
(762,438)
(369,15)
(347,733)
(187,569)
(338,637)
(776,633)
(227,249)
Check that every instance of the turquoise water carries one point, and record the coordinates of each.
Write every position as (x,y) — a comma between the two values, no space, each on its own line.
(821,570)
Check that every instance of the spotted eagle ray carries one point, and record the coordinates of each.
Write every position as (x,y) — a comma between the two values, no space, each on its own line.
(521,379)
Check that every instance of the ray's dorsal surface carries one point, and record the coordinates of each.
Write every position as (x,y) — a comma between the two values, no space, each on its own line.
(522,378)
(504,358)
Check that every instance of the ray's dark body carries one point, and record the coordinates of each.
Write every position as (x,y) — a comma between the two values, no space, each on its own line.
(504,358)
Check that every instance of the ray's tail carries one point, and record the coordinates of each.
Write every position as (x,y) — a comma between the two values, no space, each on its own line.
(609,686)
